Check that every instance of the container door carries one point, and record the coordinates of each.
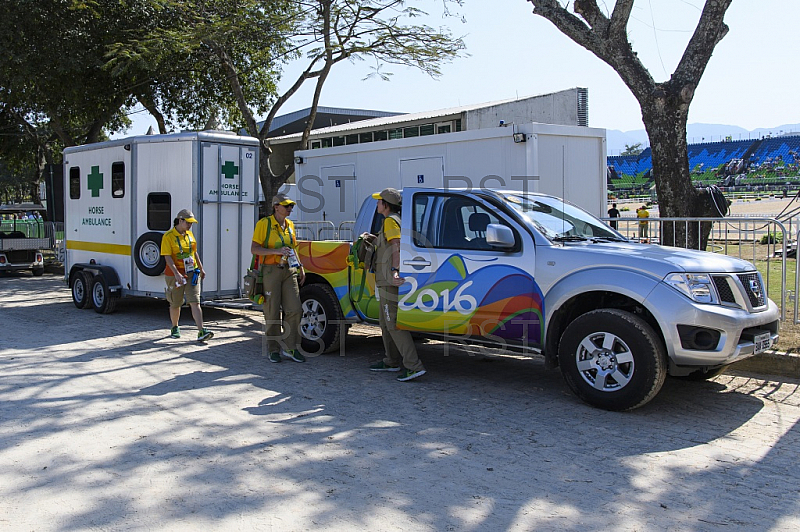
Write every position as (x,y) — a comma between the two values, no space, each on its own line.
(227,213)
(425,172)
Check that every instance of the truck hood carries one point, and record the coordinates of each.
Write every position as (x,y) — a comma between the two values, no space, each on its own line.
(657,260)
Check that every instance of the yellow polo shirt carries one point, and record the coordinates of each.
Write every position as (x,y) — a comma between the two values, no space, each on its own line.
(278,238)
(173,243)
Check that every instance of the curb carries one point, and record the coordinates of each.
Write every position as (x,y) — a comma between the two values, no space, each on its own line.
(770,363)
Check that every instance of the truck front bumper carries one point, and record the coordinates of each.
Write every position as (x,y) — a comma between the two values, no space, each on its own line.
(737,328)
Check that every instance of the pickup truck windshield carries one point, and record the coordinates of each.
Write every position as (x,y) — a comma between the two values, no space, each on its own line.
(560,221)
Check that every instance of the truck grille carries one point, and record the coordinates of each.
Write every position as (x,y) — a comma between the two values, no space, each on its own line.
(724,289)
(753,288)
(751,285)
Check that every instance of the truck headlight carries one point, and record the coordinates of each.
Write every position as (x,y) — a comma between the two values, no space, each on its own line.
(697,286)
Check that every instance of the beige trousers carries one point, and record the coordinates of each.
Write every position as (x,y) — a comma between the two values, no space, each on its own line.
(398,344)
(281,293)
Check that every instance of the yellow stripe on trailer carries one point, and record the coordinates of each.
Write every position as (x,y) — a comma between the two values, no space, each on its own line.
(99,247)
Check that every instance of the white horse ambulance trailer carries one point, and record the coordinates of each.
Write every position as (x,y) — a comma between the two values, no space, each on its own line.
(122,196)
(565,161)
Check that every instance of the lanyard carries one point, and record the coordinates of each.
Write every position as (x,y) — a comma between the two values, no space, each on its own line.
(180,247)
(280,233)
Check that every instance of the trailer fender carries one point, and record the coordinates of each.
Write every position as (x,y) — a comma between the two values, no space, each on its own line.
(109,274)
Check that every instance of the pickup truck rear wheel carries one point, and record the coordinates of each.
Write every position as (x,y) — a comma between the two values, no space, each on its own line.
(612,359)
(81,282)
(102,300)
(321,323)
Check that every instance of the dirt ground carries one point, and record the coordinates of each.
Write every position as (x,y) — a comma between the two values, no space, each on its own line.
(107,423)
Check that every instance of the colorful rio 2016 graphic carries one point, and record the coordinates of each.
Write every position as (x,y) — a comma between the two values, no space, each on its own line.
(497,300)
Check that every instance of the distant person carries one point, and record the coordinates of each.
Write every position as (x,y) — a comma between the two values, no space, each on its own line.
(613,213)
(184,273)
(642,214)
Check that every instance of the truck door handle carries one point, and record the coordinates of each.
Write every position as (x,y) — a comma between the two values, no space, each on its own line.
(417,262)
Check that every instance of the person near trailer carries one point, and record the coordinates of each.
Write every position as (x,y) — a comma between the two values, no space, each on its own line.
(184,273)
(398,344)
(274,245)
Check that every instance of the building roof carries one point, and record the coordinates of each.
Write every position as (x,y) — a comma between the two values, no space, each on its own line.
(396,119)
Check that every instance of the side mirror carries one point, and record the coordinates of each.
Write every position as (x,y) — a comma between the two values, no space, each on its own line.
(500,236)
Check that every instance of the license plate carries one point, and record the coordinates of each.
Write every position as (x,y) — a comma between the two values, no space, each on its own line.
(761,342)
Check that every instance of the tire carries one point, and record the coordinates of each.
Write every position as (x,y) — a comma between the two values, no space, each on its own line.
(81,285)
(612,359)
(702,375)
(101,298)
(147,254)
(321,324)
(38,272)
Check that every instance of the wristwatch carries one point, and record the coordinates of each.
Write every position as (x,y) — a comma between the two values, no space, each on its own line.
(396,270)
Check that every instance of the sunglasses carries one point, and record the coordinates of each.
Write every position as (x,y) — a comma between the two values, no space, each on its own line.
(290,206)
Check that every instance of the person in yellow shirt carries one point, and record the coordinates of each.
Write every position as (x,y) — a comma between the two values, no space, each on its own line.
(184,273)
(275,248)
(398,343)
(643,214)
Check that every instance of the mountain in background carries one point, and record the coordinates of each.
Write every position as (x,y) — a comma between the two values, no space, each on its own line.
(695,133)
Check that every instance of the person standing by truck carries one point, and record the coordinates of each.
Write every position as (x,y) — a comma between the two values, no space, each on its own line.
(275,247)
(398,344)
(184,273)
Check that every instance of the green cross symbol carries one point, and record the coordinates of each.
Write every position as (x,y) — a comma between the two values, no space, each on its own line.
(229,170)
(95,181)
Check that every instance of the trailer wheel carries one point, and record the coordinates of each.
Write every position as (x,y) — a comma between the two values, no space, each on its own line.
(321,323)
(147,254)
(38,272)
(612,359)
(81,281)
(102,300)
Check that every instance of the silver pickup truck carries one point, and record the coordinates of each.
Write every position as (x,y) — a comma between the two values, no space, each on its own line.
(532,272)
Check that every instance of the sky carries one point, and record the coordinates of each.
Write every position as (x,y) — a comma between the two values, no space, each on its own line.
(750,81)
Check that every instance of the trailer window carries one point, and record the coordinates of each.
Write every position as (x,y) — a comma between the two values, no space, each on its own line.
(159,211)
(117,180)
(75,183)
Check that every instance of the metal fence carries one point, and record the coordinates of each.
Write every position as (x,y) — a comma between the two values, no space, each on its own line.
(760,240)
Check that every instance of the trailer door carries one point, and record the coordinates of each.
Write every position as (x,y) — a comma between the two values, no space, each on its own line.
(227,212)
(425,172)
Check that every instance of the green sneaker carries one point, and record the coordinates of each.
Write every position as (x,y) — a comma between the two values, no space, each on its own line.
(275,357)
(407,375)
(294,354)
(204,334)
(380,366)
(176,332)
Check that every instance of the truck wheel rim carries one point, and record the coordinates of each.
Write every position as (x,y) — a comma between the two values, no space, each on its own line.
(314,320)
(150,254)
(98,294)
(78,290)
(604,361)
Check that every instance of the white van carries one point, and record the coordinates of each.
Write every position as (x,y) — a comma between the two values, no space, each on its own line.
(122,196)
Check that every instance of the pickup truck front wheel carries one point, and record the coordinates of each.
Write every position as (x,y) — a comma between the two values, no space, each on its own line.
(321,324)
(612,359)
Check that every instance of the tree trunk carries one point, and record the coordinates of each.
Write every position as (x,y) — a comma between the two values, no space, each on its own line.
(665,120)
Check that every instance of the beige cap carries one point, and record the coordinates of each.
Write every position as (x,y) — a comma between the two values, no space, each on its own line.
(389,195)
(282,199)
(186,214)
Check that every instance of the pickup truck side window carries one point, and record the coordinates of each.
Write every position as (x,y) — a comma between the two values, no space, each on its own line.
(451,222)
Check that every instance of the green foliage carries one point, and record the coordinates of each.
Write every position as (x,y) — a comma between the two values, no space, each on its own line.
(771,238)
(634,149)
